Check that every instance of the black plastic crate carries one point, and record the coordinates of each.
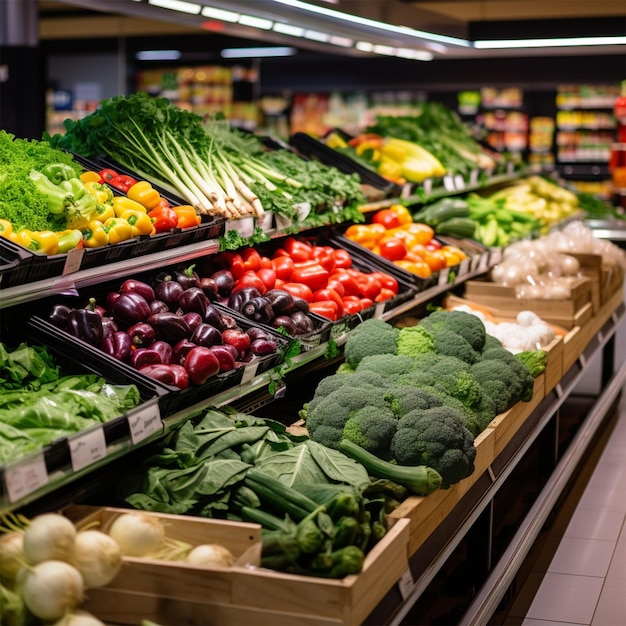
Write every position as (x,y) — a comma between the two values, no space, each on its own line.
(15,263)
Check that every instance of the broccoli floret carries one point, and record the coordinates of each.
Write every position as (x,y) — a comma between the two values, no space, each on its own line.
(469,326)
(436,438)
(491,342)
(373,336)
(414,340)
(385,365)
(522,373)
(404,399)
(499,382)
(371,428)
(335,409)
(449,343)
(534,360)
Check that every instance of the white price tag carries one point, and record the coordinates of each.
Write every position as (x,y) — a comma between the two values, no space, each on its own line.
(459,182)
(25,476)
(73,261)
(249,371)
(448,182)
(427,185)
(474,177)
(87,448)
(464,267)
(443,276)
(303,209)
(144,422)
(379,309)
(406,583)
(244,226)
(495,256)
(266,221)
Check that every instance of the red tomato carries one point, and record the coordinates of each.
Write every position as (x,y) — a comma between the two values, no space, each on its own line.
(393,249)
(268,276)
(299,291)
(386,217)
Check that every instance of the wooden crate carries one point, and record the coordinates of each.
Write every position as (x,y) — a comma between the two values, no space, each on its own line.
(507,424)
(425,513)
(504,299)
(172,594)
(554,364)
(612,282)
(591,267)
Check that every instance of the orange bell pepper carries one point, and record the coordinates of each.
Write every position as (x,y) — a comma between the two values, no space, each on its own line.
(187,216)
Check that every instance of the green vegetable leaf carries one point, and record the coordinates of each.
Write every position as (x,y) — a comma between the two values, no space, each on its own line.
(337,466)
(294,466)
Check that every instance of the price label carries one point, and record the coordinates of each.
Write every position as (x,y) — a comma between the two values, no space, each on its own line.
(443,276)
(448,183)
(379,309)
(427,185)
(244,226)
(73,261)
(303,209)
(459,182)
(266,221)
(25,476)
(249,371)
(283,222)
(87,448)
(496,256)
(406,583)
(474,177)
(144,422)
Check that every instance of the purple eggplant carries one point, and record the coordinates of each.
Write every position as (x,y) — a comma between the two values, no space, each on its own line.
(130,308)
(118,345)
(158,306)
(303,322)
(169,291)
(280,300)
(284,321)
(85,324)
(169,327)
(59,314)
(263,347)
(239,297)
(223,281)
(258,310)
(131,285)
(142,334)
(193,299)
(206,335)
(193,319)
(180,350)
(213,316)
(186,276)
(209,288)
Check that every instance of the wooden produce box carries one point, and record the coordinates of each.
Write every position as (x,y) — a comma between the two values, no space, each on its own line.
(503,301)
(591,267)
(508,423)
(425,513)
(554,364)
(175,593)
(612,282)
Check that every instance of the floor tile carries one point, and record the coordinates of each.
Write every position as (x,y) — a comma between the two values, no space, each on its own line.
(542,622)
(617,568)
(583,557)
(597,523)
(602,497)
(566,598)
(608,476)
(611,609)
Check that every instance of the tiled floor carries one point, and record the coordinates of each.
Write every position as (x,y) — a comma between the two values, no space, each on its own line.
(580,575)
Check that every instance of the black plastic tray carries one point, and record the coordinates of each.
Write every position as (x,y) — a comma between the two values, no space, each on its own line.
(15,263)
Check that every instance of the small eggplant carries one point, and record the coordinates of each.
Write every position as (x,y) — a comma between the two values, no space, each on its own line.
(144,356)
(263,347)
(172,374)
(258,310)
(169,327)
(85,324)
(131,285)
(193,319)
(169,291)
(142,334)
(130,308)
(118,345)
(213,316)
(239,297)
(208,287)
(186,276)
(280,300)
(180,350)
(158,306)
(284,321)
(298,304)
(254,332)
(193,299)
(303,322)
(206,335)
(223,281)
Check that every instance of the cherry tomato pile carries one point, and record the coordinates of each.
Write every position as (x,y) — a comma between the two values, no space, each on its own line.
(393,235)
(322,276)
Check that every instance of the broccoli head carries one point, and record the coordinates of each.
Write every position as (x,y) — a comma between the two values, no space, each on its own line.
(437,438)
(404,399)
(521,371)
(534,360)
(371,428)
(449,343)
(373,336)
(499,382)
(335,409)
(385,365)
(468,325)
(491,342)
(413,340)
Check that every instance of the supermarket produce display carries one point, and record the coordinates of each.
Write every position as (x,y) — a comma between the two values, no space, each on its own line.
(430,359)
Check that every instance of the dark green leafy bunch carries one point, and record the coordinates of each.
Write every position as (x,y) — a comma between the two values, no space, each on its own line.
(21,203)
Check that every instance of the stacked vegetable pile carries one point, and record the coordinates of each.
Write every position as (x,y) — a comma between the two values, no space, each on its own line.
(39,403)
(419,395)
(210,165)
(319,512)
(411,245)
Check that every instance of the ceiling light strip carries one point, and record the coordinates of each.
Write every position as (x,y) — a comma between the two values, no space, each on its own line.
(549,43)
(255,22)
(220,14)
(177,5)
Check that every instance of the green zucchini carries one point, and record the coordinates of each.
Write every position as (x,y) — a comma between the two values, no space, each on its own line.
(442,210)
(460,227)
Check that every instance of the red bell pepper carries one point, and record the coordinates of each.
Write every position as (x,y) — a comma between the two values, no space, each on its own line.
(230,261)
(366,303)
(322,295)
(325,256)
(299,290)
(122,182)
(266,263)
(384,294)
(325,308)
(350,286)
(283,266)
(107,174)
(314,276)
(249,279)
(268,276)
(343,259)
(251,259)
(298,250)
(352,305)
(335,284)
(164,219)
(387,281)
(369,286)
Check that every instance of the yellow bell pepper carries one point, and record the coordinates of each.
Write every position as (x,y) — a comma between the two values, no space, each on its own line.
(144,193)
(335,140)
(118,229)
(90,177)
(122,204)
(95,235)
(22,237)
(44,242)
(102,193)
(6,228)
(140,223)
(69,239)
(404,215)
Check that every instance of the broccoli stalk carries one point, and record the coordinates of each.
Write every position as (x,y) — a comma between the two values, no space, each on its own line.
(421,480)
